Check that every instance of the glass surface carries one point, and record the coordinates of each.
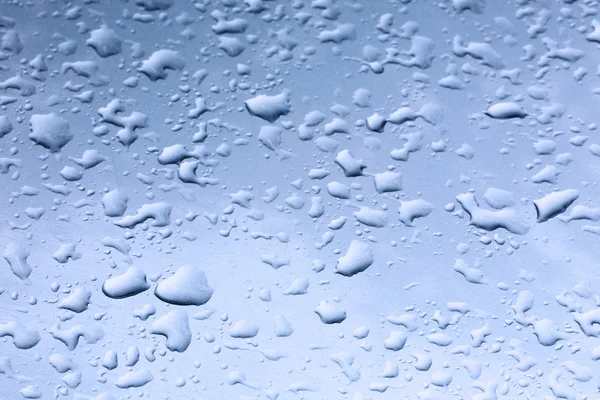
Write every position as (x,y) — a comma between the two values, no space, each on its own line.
(299,199)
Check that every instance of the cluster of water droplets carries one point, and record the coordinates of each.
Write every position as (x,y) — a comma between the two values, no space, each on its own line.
(313,199)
